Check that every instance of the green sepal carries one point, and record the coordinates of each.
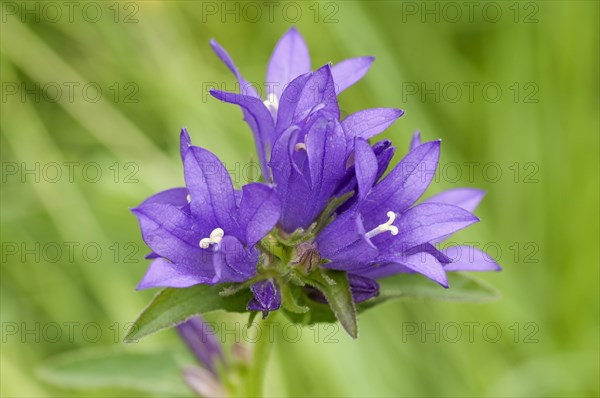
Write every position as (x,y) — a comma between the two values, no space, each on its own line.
(289,298)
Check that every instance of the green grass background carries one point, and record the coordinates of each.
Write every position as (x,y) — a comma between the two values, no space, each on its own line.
(553,220)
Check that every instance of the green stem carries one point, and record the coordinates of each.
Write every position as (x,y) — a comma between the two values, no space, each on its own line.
(260,358)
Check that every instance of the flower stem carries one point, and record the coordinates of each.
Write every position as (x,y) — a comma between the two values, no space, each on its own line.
(260,358)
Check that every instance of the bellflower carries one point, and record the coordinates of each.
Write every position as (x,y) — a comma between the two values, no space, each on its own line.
(385,233)
(207,231)
(294,93)
(329,212)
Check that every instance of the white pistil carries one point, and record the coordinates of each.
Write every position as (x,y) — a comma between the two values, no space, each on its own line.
(215,237)
(300,146)
(385,227)
(272,103)
(188,198)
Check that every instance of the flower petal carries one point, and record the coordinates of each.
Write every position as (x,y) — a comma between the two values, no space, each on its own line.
(403,185)
(173,234)
(325,149)
(291,186)
(184,142)
(259,211)
(369,122)
(344,243)
(430,249)
(245,87)
(415,141)
(467,258)
(282,157)
(362,288)
(467,198)
(259,119)
(289,102)
(163,273)
(267,297)
(212,199)
(289,60)
(306,178)
(424,223)
(423,263)
(318,94)
(233,262)
(174,196)
(384,152)
(349,71)
(366,167)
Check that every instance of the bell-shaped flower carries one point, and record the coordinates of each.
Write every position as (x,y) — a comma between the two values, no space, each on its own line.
(202,233)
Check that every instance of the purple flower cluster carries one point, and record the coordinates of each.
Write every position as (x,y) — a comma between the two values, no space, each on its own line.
(324,203)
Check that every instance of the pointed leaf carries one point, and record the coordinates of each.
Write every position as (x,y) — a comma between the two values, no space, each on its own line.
(334,285)
(173,306)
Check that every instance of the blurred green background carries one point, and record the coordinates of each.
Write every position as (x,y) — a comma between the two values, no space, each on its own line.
(72,252)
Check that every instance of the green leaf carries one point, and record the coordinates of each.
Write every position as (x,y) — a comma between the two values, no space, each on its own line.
(334,285)
(172,306)
(463,288)
(102,368)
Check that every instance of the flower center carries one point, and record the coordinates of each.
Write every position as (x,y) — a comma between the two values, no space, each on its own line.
(385,227)
(215,237)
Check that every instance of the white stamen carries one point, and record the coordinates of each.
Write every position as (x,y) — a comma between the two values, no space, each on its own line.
(215,237)
(385,227)
(188,198)
(272,103)
(300,146)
